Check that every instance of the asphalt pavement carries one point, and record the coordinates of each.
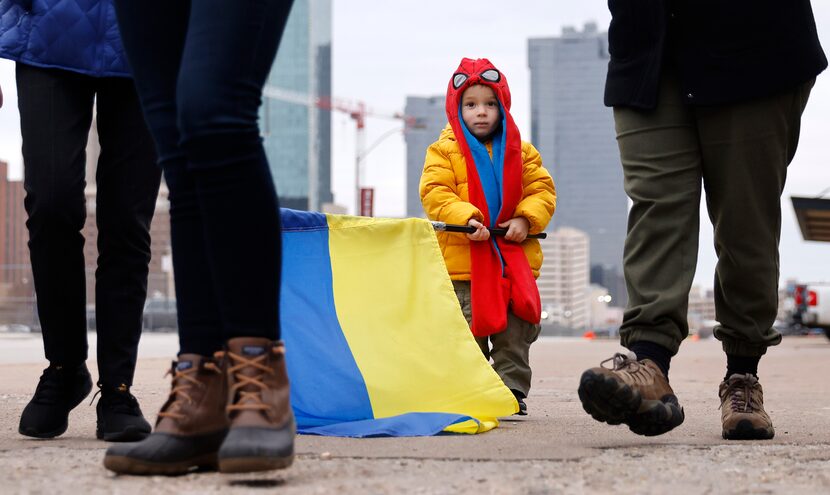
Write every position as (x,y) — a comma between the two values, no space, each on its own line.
(558,448)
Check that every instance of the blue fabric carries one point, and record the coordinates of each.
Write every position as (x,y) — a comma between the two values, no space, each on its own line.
(327,386)
(489,169)
(76,35)
(404,425)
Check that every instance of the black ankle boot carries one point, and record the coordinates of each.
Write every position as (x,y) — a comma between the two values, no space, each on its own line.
(119,416)
(60,389)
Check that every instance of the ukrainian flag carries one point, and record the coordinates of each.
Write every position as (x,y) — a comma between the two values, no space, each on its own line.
(376,342)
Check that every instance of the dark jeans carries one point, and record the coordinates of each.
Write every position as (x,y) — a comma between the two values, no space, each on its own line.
(738,153)
(55,116)
(200,68)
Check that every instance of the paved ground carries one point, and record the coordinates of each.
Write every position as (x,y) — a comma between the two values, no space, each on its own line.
(557,449)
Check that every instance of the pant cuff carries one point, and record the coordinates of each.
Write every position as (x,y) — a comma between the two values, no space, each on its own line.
(742,347)
(512,385)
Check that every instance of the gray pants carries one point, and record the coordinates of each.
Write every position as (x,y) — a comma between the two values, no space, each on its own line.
(739,153)
(510,350)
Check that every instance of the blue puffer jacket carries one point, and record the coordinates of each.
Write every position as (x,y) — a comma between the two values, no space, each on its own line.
(76,35)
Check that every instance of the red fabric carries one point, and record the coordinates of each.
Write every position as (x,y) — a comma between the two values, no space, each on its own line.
(492,292)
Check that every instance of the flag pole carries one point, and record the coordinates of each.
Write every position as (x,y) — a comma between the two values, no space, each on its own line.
(467,229)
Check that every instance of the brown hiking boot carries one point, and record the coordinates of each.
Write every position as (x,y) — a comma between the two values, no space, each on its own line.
(632,392)
(190,427)
(742,409)
(262,430)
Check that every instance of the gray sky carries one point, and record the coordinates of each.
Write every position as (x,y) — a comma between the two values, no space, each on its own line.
(384,51)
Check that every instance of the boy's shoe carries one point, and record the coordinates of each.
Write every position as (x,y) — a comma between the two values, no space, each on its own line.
(262,430)
(632,392)
(60,389)
(119,416)
(520,398)
(742,409)
(190,427)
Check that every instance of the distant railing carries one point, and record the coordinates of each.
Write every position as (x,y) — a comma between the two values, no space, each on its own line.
(18,301)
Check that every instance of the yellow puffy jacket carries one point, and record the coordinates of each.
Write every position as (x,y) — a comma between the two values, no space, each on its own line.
(445,196)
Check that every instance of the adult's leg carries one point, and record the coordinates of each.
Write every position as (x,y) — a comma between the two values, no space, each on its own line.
(746,150)
(224,67)
(127,188)
(662,173)
(257,410)
(155,61)
(55,117)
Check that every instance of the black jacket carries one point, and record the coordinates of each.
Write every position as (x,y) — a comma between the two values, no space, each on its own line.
(723,50)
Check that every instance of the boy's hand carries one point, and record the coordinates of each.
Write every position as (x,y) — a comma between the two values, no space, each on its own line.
(481,233)
(517,229)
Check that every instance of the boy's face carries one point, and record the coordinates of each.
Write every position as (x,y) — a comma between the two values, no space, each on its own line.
(480,110)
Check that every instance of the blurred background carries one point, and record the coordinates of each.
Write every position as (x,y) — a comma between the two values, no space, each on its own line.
(356,95)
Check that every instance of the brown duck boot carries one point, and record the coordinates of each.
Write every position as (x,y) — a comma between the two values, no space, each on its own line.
(742,409)
(632,392)
(262,430)
(190,426)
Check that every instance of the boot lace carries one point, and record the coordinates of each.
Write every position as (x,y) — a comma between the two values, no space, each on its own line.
(620,361)
(739,394)
(630,370)
(183,382)
(248,400)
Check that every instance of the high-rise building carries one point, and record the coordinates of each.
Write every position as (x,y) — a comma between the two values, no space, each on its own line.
(296,133)
(431,117)
(563,279)
(574,132)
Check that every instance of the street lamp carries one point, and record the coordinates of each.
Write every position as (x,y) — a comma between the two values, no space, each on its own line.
(360,155)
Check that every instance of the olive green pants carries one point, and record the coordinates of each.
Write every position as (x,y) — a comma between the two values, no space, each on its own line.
(510,350)
(738,154)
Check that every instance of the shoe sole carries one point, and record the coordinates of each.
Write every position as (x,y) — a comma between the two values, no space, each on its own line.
(254,464)
(34,433)
(128,465)
(610,401)
(745,431)
(129,434)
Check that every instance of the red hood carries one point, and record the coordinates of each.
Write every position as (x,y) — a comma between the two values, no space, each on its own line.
(472,71)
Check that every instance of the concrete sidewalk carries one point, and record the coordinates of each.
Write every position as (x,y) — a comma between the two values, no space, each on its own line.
(558,448)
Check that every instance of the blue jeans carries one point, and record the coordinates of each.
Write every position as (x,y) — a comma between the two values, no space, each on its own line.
(199,68)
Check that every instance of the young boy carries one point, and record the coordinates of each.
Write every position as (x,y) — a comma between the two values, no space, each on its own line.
(480,173)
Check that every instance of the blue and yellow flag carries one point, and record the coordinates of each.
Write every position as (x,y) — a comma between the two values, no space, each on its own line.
(376,341)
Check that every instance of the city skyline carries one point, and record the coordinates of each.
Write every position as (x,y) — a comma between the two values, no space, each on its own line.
(401,51)
(292,131)
(572,128)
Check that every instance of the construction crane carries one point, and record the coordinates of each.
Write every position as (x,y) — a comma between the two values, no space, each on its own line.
(358,112)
